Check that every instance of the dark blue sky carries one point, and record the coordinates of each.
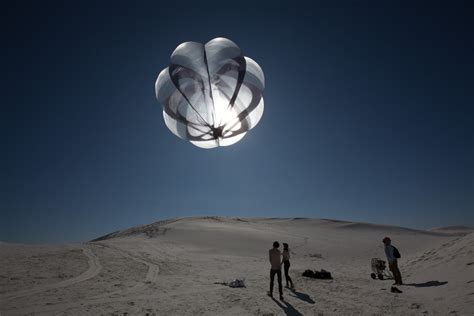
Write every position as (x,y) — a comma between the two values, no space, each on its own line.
(368,115)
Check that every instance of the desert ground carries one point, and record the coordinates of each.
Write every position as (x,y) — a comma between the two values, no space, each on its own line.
(174,267)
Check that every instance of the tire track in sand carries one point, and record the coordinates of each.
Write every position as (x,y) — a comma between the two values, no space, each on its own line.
(94,269)
(151,276)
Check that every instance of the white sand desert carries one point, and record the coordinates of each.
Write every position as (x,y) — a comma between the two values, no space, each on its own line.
(170,268)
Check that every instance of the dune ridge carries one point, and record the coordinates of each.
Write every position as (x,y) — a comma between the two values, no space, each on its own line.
(175,267)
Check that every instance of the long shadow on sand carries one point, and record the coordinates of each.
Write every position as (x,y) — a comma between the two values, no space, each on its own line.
(302,296)
(427,284)
(287,308)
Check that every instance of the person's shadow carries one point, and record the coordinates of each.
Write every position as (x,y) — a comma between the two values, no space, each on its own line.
(427,284)
(287,308)
(302,296)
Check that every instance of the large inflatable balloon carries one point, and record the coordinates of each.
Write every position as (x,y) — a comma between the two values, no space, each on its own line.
(211,94)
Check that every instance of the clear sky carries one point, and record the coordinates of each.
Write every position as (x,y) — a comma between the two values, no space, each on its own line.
(368,115)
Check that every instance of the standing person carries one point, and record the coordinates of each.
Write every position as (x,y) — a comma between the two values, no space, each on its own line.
(392,255)
(286,265)
(274,255)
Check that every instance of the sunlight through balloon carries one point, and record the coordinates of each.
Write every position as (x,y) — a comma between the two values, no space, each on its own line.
(211,94)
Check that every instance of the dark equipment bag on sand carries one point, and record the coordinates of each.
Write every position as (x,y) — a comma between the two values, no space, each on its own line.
(323,274)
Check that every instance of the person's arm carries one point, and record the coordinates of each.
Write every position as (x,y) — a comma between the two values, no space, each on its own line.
(270,256)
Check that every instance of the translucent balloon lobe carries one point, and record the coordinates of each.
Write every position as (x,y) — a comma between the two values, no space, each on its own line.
(211,94)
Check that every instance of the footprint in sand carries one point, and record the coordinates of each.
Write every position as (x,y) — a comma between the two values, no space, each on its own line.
(415,306)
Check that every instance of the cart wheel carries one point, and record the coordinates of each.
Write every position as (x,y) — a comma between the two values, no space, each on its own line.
(380,276)
(373,276)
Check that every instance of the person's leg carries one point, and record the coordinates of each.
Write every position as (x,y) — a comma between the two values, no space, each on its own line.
(393,266)
(287,272)
(397,271)
(394,273)
(280,287)
(272,278)
(287,277)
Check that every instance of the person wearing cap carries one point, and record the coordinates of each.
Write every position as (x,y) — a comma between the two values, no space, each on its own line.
(392,260)
(275,262)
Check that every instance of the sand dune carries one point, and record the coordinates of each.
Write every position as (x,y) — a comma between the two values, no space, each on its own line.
(170,268)
(460,230)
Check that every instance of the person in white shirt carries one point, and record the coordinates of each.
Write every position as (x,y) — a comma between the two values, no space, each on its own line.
(274,256)
(392,261)
(286,265)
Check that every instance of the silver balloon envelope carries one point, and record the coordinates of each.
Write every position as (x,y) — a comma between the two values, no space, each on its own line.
(211,94)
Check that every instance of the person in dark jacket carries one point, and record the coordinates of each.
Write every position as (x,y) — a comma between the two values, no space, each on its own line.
(392,261)
(286,265)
